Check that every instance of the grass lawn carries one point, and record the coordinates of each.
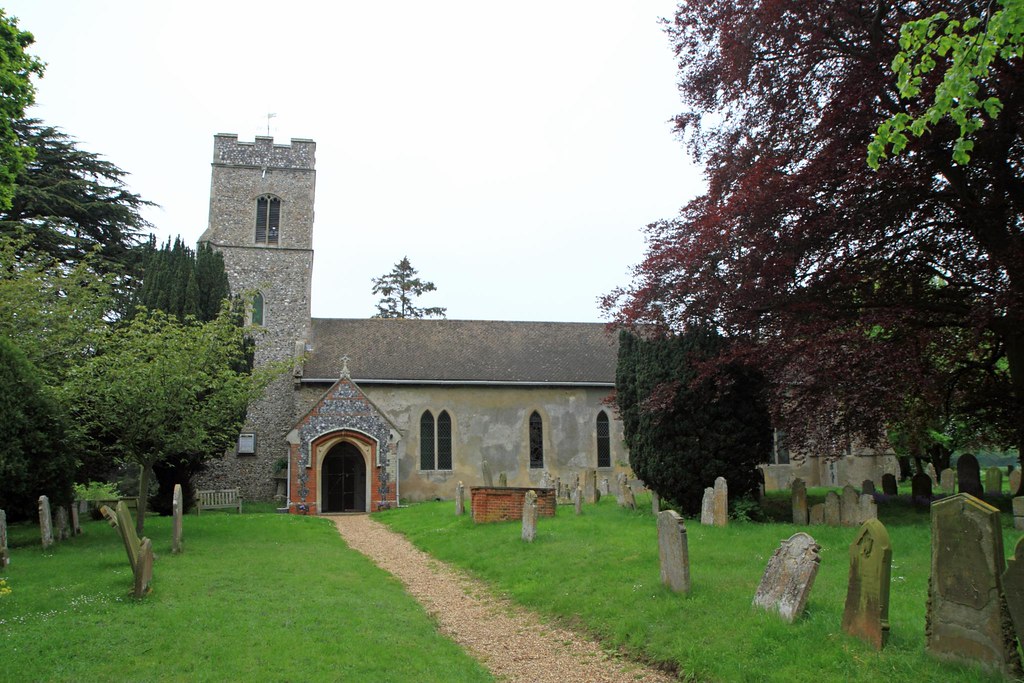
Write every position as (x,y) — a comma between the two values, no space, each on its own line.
(255,597)
(600,573)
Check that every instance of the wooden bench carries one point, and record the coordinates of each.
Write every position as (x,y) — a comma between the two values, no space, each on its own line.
(216,499)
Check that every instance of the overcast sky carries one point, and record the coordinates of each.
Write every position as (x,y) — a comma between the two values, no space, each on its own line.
(513,151)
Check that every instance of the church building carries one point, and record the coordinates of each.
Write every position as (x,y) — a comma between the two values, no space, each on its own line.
(374,411)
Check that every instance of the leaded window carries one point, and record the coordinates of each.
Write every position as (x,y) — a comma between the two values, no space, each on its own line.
(444,441)
(427,441)
(604,449)
(435,440)
(536,441)
(268,219)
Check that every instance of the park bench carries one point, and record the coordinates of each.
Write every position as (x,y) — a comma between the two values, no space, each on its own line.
(218,498)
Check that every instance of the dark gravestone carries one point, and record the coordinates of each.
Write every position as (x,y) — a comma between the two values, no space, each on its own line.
(890,486)
(921,488)
(866,614)
(967,617)
(968,475)
(868,487)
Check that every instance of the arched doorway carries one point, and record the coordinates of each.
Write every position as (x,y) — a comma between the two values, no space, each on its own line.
(344,479)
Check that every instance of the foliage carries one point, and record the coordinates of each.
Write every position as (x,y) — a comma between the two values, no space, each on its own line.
(183,282)
(862,295)
(967,48)
(34,457)
(684,429)
(399,289)
(96,490)
(16,93)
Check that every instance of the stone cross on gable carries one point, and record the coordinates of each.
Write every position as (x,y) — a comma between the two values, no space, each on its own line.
(345,374)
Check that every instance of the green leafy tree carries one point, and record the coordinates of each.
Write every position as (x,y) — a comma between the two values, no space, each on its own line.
(183,282)
(398,290)
(686,424)
(17,92)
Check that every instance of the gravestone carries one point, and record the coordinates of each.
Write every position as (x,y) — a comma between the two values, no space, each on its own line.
(849,506)
(1018,513)
(833,514)
(63,528)
(502,481)
(530,515)
(799,490)
(545,480)
(76,526)
(140,553)
(993,481)
(603,487)
(966,609)
(947,481)
(628,499)
(45,522)
(590,493)
(1013,588)
(578,501)
(460,499)
(721,502)
(789,576)
(672,551)
(5,556)
(867,486)
(485,472)
(109,515)
(868,508)
(921,488)
(932,474)
(890,486)
(655,503)
(1014,482)
(817,515)
(968,475)
(866,615)
(143,574)
(177,511)
(707,507)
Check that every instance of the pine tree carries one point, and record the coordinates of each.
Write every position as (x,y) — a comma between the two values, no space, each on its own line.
(398,289)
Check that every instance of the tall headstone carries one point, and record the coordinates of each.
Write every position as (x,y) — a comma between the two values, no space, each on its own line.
(968,475)
(502,480)
(868,508)
(721,502)
(867,486)
(45,522)
(460,499)
(485,473)
(63,531)
(947,481)
(789,576)
(966,608)
(672,551)
(655,503)
(921,488)
(866,614)
(817,514)
(890,486)
(530,516)
(76,525)
(628,499)
(1014,482)
(932,474)
(849,506)
(1018,513)
(177,510)
(1013,588)
(5,556)
(993,481)
(707,507)
(799,490)
(577,500)
(590,493)
(833,510)
(143,573)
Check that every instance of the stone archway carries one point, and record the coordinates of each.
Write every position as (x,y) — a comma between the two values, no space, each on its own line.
(343,479)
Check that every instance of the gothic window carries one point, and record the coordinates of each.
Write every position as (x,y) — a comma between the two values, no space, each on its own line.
(536,441)
(256,315)
(604,450)
(435,440)
(444,441)
(268,219)
(427,441)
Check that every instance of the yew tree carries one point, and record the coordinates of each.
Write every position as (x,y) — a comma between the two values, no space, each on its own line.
(871,299)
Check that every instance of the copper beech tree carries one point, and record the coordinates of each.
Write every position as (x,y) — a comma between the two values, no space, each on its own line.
(872,300)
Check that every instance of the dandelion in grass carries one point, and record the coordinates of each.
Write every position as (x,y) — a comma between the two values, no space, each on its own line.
(4,588)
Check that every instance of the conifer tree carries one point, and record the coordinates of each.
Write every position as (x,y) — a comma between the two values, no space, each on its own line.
(398,289)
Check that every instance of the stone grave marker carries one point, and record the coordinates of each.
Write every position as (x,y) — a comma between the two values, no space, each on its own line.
(578,501)
(968,475)
(833,513)
(45,522)
(817,514)
(628,499)
(460,499)
(530,515)
(849,506)
(5,556)
(867,486)
(485,472)
(604,487)
(655,503)
(707,507)
(947,481)
(721,502)
(966,609)
(890,486)
(63,527)
(143,573)
(1018,513)
(789,576)
(866,615)
(76,526)
(993,481)
(1013,588)
(932,474)
(1014,482)
(109,515)
(921,488)
(545,480)
(502,481)
(868,508)
(140,553)
(672,551)
(590,492)
(177,510)
(799,490)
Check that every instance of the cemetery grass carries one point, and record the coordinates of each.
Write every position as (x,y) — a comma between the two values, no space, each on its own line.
(599,573)
(253,597)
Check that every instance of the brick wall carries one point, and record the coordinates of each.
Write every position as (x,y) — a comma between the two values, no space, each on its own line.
(492,504)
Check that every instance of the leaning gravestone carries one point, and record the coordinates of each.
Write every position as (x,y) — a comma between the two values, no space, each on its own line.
(176,509)
(63,528)
(947,481)
(1013,588)
(460,499)
(530,516)
(868,508)
(707,507)
(140,553)
(866,614)
(993,481)
(45,522)
(967,612)
(721,502)
(672,551)
(1014,482)
(890,486)
(968,474)
(485,472)
(1018,513)
(921,488)
(849,506)
(799,490)
(5,556)
(867,486)
(833,513)
(932,474)
(817,514)
(789,576)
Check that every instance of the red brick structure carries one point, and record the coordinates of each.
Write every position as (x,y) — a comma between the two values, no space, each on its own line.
(501,504)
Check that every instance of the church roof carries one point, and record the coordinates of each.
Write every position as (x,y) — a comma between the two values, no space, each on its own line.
(461,351)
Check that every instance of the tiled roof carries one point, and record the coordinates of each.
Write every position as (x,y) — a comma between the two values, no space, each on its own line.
(472,351)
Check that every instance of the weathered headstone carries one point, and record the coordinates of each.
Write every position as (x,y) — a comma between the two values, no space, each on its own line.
(921,488)
(993,481)
(45,522)
(675,559)
(578,501)
(968,475)
(628,499)
(530,516)
(502,480)
(1014,482)
(799,490)
(1013,588)
(966,608)
(177,510)
(143,573)
(947,481)
(932,474)
(590,492)
(789,576)
(485,472)
(833,510)
(707,507)
(126,527)
(76,526)
(868,508)
(817,515)
(890,486)
(1018,513)
(849,506)
(63,531)
(655,503)
(545,480)
(109,515)
(866,614)
(867,486)
(604,487)
(5,556)
(721,502)
(460,499)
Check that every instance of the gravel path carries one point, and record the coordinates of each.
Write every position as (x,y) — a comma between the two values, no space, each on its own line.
(509,640)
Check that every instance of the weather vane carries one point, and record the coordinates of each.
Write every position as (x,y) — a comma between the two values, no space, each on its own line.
(269,116)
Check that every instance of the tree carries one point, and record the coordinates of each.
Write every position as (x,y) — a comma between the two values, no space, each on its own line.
(858,293)
(183,282)
(398,289)
(159,389)
(16,93)
(685,428)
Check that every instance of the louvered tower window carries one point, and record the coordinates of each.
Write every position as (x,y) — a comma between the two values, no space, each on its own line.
(536,441)
(604,450)
(268,219)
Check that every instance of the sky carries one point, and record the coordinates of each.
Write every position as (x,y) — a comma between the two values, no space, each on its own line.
(512,151)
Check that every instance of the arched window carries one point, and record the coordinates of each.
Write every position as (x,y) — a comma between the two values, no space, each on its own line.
(256,315)
(536,441)
(435,440)
(444,441)
(427,441)
(604,446)
(268,219)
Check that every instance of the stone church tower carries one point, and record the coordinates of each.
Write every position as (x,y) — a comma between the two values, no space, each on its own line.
(261,220)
